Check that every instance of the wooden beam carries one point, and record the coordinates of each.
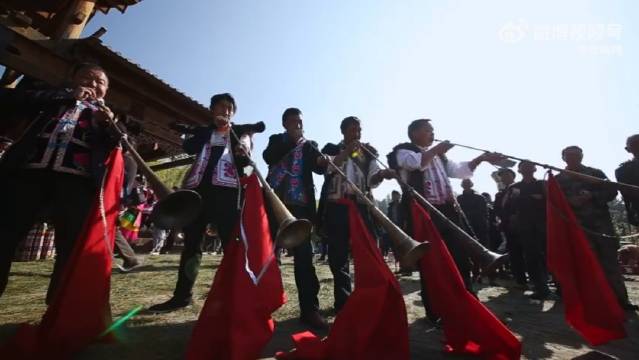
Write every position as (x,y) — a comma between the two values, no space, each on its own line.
(74,19)
(172,164)
(9,78)
(31,57)
(132,91)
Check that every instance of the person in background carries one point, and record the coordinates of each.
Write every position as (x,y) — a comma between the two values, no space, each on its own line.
(528,198)
(506,214)
(396,215)
(474,217)
(628,173)
(495,237)
(589,200)
(171,236)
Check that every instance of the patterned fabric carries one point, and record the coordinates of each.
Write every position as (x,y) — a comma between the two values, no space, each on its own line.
(358,168)
(437,188)
(37,245)
(130,222)
(64,143)
(224,173)
(286,177)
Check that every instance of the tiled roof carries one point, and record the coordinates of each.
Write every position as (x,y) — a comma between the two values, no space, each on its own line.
(105,50)
(106,5)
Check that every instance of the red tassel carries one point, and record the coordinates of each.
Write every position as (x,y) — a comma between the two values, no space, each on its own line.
(589,303)
(235,322)
(373,322)
(80,310)
(469,327)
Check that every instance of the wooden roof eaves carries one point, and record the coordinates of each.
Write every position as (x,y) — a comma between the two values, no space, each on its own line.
(182,105)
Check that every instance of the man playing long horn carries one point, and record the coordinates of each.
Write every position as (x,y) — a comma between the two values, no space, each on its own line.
(215,176)
(292,159)
(361,168)
(589,201)
(57,165)
(427,170)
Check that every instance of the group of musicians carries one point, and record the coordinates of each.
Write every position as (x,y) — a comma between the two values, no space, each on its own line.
(57,164)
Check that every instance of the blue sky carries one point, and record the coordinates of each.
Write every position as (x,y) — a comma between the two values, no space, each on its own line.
(523,77)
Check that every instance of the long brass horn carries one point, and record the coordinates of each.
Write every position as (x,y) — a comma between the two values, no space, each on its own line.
(488,260)
(409,250)
(174,209)
(291,231)
(508,163)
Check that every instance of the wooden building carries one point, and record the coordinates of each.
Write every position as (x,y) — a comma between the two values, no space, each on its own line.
(41,40)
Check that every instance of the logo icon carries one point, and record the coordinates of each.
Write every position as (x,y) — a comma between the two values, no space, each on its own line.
(513,32)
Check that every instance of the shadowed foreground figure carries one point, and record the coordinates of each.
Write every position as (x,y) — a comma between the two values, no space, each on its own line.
(56,166)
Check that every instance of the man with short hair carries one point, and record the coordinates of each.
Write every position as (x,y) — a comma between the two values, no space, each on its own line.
(361,168)
(292,160)
(394,210)
(427,169)
(494,236)
(528,198)
(474,216)
(215,176)
(396,214)
(57,165)
(589,200)
(628,173)
(475,208)
(506,214)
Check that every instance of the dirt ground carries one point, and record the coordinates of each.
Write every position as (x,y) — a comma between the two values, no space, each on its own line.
(539,325)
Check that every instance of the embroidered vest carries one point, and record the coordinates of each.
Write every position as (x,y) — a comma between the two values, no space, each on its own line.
(223,172)
(65,142)
(286,177)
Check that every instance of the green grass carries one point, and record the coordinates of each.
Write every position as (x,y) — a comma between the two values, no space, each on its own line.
(146,336)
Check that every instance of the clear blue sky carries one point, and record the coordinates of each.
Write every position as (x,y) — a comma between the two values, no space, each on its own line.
(522,77)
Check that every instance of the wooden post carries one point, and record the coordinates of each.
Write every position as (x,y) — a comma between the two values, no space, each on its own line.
(74,19)
(9,78)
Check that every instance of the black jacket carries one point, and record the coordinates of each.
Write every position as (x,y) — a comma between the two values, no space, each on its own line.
(602,193)
(476,209)
(628,173)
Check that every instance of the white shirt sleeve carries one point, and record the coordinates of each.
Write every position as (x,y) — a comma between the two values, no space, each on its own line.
(459,170)
(247,143)
(409,160)
(373,169)
(330,169)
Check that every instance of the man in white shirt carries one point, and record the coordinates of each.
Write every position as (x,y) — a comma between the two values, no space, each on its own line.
(362,169)
(427,169)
